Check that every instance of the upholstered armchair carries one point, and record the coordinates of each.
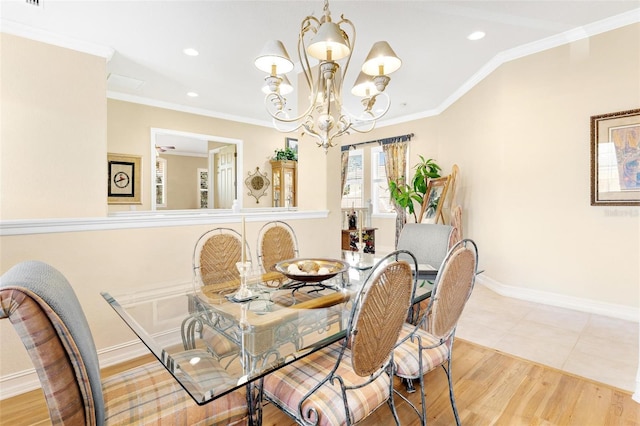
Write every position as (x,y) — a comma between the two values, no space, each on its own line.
(38,300)
(429,243)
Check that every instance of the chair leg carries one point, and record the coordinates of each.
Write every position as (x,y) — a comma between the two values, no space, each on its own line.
(408,384)
(254,397)
(423,401)
(390,401)
(451,396)
(393,410)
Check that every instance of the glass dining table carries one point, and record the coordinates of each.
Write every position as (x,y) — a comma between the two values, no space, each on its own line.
(276,326)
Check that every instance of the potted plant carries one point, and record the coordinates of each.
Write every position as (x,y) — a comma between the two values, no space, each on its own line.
(284,155)
(408,195)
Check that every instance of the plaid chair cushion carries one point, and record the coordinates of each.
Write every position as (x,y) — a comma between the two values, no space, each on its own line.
(286,388)
(220,345)
(68,396)
(405,355)
(149,395)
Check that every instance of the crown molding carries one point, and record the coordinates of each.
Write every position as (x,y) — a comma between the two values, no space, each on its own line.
(18,29)
(183,108)
(589,30)
(575,34)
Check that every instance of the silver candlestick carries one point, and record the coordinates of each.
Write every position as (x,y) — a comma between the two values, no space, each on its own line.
(243,292)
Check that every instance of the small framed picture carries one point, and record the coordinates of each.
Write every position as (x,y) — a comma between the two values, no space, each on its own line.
(124,179)
(291,143)
(615,159)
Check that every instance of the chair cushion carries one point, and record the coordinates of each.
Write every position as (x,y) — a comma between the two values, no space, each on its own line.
(68,398)
(428,242)
(218,343)
(149,395)
(43,282)
(286,388)
(405,355)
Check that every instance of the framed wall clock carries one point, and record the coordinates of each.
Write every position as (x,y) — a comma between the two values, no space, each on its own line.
(257,183)
(124,179)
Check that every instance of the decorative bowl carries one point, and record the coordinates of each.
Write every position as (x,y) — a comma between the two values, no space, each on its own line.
(311,270)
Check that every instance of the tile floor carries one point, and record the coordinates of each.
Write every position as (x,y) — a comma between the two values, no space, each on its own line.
(597,347)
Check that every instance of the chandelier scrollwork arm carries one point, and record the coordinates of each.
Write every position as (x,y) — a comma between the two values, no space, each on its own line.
(331,44)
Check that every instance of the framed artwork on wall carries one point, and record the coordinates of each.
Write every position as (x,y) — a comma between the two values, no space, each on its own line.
(291,143)
(124,179)
(615,159)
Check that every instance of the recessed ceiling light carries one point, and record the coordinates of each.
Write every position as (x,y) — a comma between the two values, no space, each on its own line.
(476,35)
(190,51)
(192,94)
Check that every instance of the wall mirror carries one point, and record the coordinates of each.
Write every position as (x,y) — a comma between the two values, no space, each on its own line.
(194,171)
(436,194)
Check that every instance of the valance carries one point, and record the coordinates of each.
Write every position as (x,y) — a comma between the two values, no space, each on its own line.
(393,139)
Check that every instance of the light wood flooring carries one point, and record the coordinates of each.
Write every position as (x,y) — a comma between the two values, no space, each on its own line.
(492,388)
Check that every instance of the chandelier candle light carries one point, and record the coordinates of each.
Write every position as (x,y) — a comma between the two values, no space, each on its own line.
(328,42)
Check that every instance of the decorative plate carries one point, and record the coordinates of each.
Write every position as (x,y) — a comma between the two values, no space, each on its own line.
(311,270)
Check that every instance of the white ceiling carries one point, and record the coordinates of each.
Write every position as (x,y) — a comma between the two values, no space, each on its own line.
(147,38)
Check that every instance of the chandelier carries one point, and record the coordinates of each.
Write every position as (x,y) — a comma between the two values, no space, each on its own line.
(331,44)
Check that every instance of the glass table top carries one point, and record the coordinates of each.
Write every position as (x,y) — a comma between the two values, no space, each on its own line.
(212,345)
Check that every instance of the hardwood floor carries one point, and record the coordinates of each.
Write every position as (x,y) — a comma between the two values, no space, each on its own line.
(492,388)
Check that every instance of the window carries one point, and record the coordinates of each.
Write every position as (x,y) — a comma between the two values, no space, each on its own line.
(203,188)
(380,197)
(161,182)
(353,193)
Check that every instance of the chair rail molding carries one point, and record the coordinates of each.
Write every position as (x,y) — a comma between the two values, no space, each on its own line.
(129,220)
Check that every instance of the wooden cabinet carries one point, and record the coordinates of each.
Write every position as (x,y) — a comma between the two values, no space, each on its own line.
(284,183)
(350,238)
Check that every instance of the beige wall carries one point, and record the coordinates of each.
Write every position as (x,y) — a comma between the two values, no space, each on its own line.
(526,163)
(521,138)
(183,182)
(53,132)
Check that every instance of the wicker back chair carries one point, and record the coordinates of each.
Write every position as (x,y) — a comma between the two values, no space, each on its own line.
(345,382)
(215,275)
(214,260)
(456,222)
(427,345)
(47,316)
(276,242)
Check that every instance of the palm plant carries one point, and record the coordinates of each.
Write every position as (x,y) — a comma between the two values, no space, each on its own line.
(408,196)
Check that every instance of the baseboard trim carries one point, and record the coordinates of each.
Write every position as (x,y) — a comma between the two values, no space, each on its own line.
(627,313)
(27,380)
